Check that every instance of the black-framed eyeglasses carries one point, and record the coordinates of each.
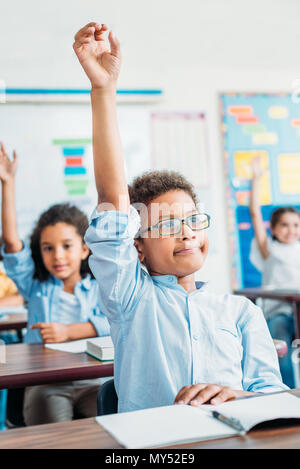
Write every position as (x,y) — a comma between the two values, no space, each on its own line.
(173,226)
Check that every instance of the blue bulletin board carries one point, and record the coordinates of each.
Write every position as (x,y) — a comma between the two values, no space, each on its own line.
(265,124)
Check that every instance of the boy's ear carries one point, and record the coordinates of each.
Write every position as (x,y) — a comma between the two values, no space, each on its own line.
(85,251)
(139,247)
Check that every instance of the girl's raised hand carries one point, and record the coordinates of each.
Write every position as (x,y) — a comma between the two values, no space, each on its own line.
(7,168)
(100,63)
(257,168)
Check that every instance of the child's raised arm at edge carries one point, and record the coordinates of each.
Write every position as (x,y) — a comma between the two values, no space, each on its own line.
(255,209)
(102,67)
(8,169)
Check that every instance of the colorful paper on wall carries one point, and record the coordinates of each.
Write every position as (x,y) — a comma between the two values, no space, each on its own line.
(243,171)
(289,173)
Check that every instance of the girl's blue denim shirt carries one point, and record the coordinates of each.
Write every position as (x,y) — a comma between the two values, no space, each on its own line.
(43,297)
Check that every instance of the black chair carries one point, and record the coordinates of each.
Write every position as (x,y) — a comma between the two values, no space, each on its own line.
(14,408)
(15,400)
(107,399)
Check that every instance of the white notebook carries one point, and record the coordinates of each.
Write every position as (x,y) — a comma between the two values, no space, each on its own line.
(177,424)
(74,346)
(80,346)
(13,309)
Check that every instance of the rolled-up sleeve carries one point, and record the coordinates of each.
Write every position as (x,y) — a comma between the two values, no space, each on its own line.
(19,267)
(100,323)
(260,362)
(114,261)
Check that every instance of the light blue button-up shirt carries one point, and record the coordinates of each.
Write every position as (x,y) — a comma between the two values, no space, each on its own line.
(44,297)
(165,338)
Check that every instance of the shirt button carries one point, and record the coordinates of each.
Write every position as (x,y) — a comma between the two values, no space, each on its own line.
(195,337)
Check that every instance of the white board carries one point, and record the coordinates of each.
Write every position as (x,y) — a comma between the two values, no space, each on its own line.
(41,134)
(53,142)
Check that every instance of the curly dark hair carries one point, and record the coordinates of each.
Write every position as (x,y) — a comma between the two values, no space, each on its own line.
(152,184)
(59,213)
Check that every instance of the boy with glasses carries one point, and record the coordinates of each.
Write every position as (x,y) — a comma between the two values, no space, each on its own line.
(173,342)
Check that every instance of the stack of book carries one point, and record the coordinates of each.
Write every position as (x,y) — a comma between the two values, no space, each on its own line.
(101,348)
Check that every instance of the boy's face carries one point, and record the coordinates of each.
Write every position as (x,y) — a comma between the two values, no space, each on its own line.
(181,254)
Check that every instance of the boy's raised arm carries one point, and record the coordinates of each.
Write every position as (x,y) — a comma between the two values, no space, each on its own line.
(102,66)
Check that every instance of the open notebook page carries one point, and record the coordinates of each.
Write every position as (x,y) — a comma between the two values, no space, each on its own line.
(255,410)
(74,346)
(20,309)
(163,426)
(79,346)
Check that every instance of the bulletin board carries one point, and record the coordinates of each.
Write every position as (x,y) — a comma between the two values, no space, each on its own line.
(265,124)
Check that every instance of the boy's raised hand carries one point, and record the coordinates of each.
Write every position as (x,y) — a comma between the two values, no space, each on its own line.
(7,168)
(101,64)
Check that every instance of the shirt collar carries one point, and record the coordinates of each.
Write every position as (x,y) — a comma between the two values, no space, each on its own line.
(165,279)
(85,283)
(171,280)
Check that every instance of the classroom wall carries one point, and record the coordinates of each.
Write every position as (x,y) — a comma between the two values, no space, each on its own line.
(192,50)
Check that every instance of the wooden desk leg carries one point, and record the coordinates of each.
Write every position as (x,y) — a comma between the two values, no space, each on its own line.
(296,308)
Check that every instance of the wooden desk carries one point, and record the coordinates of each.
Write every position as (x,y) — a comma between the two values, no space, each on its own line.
(30,364)
(281,295)
(16,321)
(87,434)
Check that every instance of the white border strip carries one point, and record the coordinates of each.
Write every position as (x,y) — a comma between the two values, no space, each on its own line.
(2,92)
(75,98)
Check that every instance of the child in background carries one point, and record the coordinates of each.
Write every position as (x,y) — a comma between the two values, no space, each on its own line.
(173,343)
(9,295)
(278,259)
(63,300)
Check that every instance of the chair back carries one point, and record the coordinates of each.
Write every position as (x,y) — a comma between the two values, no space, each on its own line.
(107,399)
(14,408)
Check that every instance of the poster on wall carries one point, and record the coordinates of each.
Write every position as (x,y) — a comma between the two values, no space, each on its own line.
(178,137)
(180,142)
(265,125)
